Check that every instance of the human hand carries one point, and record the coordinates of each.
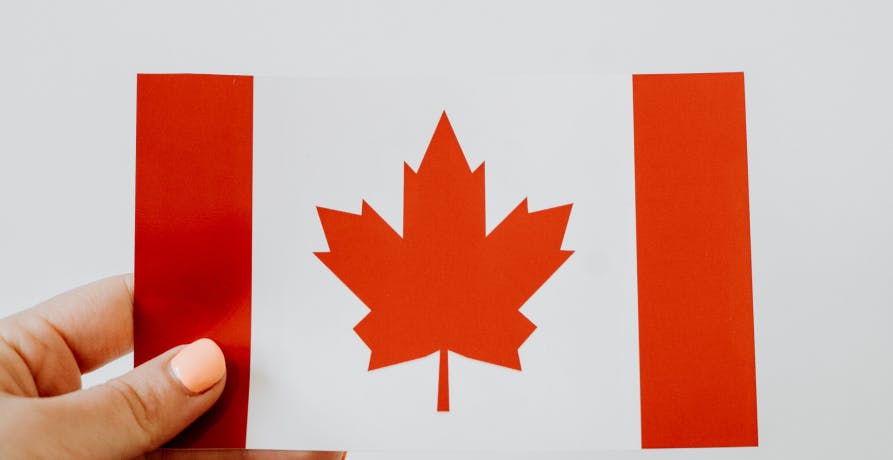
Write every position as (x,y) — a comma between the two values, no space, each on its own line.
(45,414)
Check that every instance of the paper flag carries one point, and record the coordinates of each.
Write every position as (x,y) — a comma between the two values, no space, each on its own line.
(522,263)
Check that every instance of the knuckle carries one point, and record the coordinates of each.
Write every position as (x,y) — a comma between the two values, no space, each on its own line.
(141,410)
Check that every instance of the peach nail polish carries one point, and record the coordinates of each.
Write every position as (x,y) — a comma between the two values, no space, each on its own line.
(199,366)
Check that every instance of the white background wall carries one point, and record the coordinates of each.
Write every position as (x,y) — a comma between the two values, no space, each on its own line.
(819,134)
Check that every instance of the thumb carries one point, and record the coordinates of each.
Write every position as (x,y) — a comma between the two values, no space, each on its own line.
(143,409)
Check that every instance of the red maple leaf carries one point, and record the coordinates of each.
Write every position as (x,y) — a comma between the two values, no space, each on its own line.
(445,284)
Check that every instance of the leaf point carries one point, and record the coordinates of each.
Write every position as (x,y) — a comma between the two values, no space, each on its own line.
(444,154)
(328,213)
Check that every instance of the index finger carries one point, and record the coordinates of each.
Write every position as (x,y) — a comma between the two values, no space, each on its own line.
(94,320)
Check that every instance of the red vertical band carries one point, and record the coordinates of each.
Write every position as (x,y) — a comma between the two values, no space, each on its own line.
(192,270)
(696,348)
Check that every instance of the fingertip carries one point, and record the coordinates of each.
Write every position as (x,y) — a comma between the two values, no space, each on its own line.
(128,282)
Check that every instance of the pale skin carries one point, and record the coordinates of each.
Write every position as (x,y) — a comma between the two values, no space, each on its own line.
(44,413)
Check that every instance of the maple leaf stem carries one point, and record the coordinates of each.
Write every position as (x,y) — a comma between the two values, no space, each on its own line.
(443,383)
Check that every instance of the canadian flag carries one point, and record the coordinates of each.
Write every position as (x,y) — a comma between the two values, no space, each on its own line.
(519,263)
